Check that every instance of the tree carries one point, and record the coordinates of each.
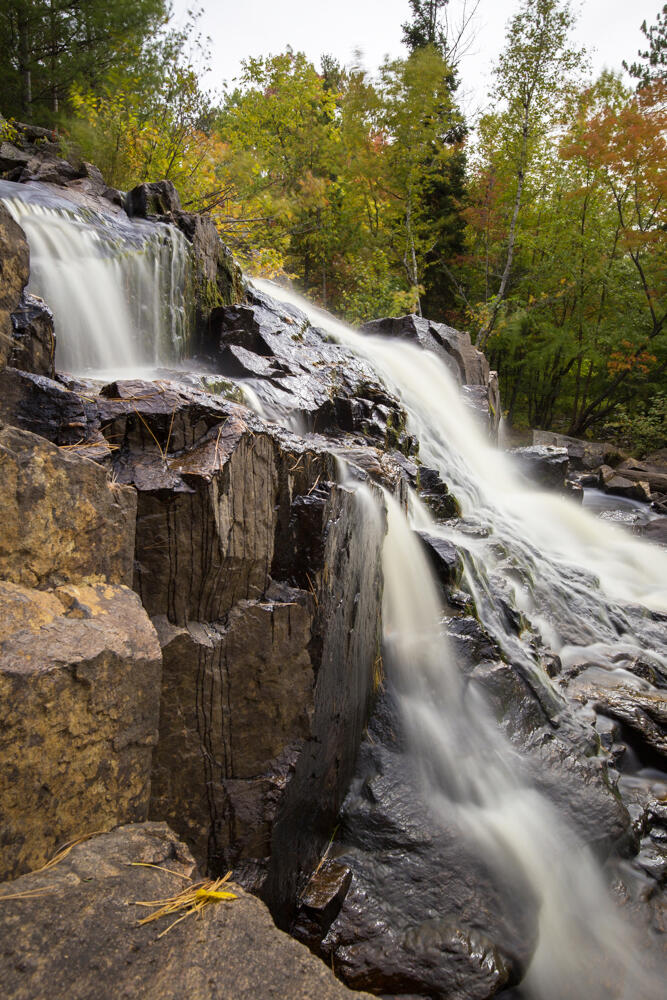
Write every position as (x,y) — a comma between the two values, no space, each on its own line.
(426,27)
(154,121)
(653,64)
(51,45)
(430,25)
(421,124)
(531,77)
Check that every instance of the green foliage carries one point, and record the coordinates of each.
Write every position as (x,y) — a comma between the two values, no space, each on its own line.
(51,45)
(644,430)
(426,27)
(153,122)
(652,63)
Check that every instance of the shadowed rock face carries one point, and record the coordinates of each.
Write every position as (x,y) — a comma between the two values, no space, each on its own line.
(14,272)
(76,932)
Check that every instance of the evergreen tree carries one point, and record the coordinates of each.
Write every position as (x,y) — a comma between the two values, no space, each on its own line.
(51,45)
(425,28)
(653,64)
(443,186)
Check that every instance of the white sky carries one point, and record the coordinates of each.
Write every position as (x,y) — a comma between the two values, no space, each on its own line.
(243,28)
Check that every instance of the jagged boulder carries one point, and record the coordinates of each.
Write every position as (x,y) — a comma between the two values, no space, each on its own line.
(296,372)
(157,198)
(74,931)
(34,344)
(479,386)
(466,363)
(545,465)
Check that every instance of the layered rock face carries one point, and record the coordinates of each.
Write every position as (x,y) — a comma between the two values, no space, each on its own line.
(262,579)
(80,662)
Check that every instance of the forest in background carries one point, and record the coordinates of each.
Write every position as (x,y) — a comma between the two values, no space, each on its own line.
(541,227)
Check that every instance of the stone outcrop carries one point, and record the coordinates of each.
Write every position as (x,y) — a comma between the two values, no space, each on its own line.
(262,578)
(73,931)
(583,455)
(217,278)
(64,520)
(14,271)
(298,374)
(468,365)
(34,346)
(83,664)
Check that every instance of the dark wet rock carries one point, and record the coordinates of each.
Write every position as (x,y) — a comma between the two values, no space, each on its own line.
(34,345)
(544,465)
(83,663)
(14,272)
(574,490)
(435,494)
(76,933)
(156,198)
(466,363)
(424,914)
(443,557)
(217,280)
(643,713)
(320,902)
(43,406)
(296,372)
(584,455)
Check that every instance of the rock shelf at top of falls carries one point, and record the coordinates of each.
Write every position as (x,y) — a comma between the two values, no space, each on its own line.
(191,581)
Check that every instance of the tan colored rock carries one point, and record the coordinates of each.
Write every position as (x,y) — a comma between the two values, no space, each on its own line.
(63,520)
(76,934)
(14,272)
(80,675)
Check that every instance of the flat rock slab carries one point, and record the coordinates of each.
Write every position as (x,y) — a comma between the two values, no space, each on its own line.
(72,931)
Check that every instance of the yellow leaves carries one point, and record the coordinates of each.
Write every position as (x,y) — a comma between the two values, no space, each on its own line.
(215,896)
(192,900)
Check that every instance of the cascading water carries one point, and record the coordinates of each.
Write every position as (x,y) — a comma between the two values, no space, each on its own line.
(584,585)
(117,287)
(118,292)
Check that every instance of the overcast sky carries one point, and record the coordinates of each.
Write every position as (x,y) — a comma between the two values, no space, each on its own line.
(243,28)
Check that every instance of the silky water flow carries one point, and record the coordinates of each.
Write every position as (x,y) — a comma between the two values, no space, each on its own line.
(584,586)
(118,292)
(117,287)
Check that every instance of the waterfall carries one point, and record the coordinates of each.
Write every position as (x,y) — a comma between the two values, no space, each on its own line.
(117,287)
(584,585)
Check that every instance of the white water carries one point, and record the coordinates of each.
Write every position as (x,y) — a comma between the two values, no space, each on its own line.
(577,574)
(117,288)
(117,295)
